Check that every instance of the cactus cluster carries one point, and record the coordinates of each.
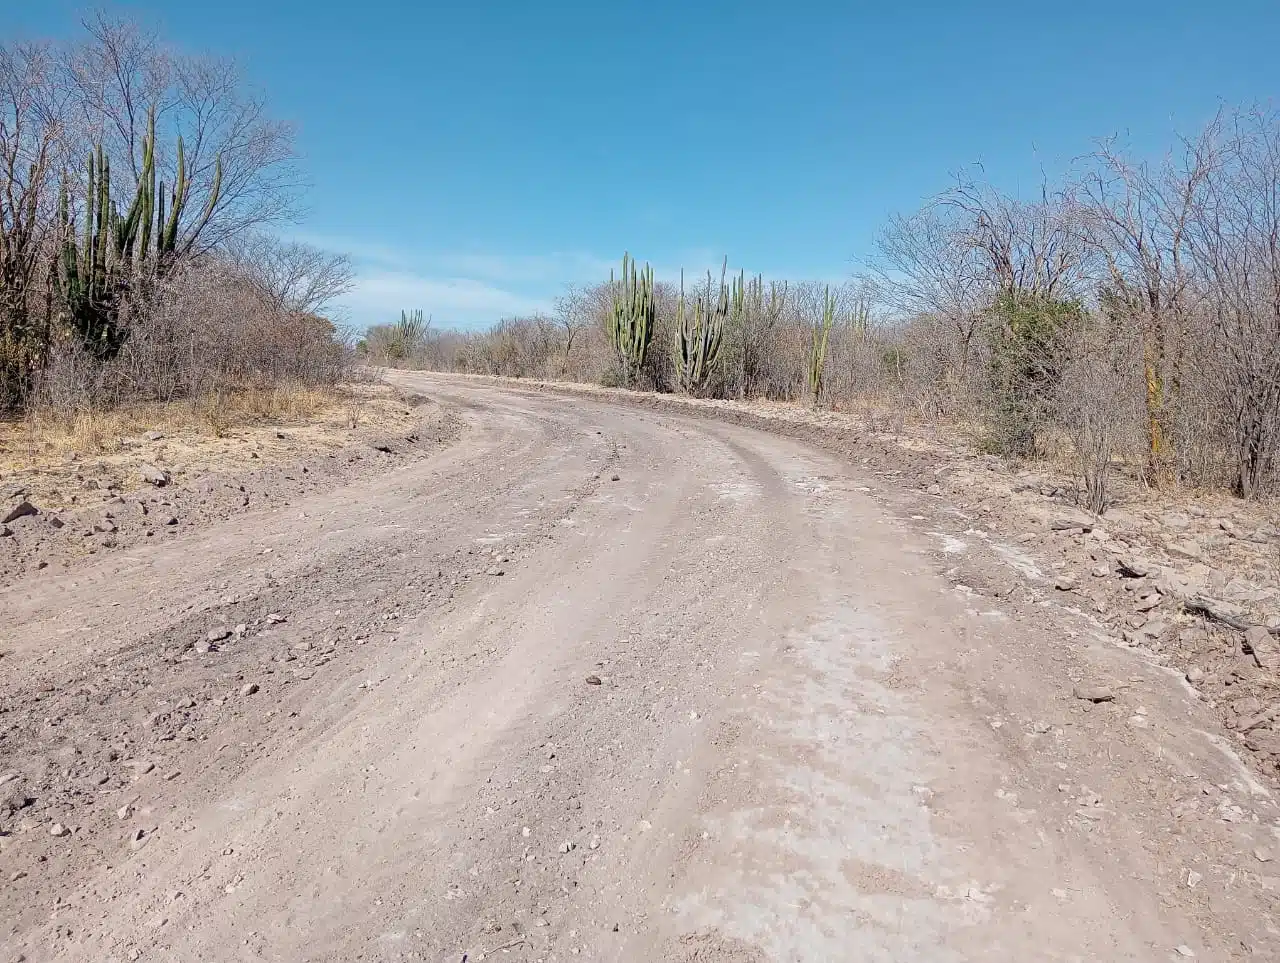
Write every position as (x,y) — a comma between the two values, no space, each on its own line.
(818,346)
(631,317)
(699,335)
(114,253)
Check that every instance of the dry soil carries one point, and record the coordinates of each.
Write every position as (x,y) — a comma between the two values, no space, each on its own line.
(599,683)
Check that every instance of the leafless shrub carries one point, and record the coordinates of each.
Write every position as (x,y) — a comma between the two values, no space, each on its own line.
(1100,407)
(32,151)
(69,383)
(1235,239)
(207,334)
(296,277)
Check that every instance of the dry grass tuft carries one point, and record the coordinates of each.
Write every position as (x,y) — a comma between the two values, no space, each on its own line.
(56,457)
(42,436)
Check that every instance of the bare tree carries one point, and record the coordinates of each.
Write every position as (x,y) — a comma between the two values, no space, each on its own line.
(31,152)
(57,101)
(1026,247)
(926,269)
(1233,233)
(295,277)
(955,257)
(578,309)
(121,71)
(1137,220)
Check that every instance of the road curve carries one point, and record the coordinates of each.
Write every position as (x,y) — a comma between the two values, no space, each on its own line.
(599,684)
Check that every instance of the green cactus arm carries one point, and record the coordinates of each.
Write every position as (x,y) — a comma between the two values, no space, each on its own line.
(181,186)
(98,279)
(128,232)
(141,225)
(86,245)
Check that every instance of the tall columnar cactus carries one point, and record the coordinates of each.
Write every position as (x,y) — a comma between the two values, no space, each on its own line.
(116,253)
(89,277)
(410,332)
(631,319)
(698,337)
(818,346)
(860,318)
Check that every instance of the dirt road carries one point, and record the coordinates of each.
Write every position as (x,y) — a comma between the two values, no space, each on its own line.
(603,684)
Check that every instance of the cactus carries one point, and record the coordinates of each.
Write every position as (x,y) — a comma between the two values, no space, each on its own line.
(860,319)
(631,319)
(410,332)
(698,338)
(115,253)
(89,277)
(818,346)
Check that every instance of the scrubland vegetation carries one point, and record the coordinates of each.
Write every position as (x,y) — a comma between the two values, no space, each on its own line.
(139,188)
(1125,318)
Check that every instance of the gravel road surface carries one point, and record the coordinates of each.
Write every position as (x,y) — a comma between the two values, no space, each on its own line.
(597,683)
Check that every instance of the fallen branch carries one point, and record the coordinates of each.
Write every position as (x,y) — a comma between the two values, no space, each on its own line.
(505,946)
(1218,612)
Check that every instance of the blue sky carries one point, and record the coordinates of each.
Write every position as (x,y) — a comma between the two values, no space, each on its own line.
(474,157)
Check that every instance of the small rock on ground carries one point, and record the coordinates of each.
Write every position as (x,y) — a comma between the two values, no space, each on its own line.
(1094,693)
(1134,566)
(1257,642)
(1072,522)
(20,510)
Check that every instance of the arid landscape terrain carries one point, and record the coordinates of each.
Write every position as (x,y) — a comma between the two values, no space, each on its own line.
(639,483)
(554,673)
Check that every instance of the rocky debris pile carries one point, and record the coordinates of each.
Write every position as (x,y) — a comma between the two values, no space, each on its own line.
(1194,584)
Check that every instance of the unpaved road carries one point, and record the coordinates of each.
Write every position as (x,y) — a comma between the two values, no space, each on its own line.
(806,742)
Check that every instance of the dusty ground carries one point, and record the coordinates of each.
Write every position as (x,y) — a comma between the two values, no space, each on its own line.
(1179,575)
(604,683)
(88,480)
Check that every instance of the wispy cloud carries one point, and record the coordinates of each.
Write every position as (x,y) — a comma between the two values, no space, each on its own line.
(556,268)
(471,289)
(450,300)
(462,289)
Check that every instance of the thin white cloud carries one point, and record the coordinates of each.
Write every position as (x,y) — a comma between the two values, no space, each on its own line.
(462,289)
(469,289)
(462,302)
(555,268)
